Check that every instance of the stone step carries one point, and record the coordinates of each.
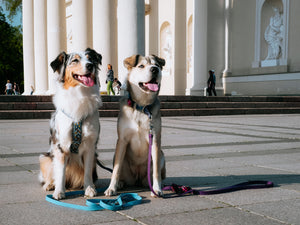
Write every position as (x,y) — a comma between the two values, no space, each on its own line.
(164,105)
(41,107)
(228,111)
(46,114)
(165,98)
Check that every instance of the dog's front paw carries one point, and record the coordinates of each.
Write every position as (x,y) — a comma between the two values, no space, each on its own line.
(48,187)
(59,195)
(157,190)
(90,192)
(110,192)
(159,193)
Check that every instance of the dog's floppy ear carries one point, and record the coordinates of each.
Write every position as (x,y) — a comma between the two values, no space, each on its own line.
(59,62)
(131,61)
(160,61)
(94,56)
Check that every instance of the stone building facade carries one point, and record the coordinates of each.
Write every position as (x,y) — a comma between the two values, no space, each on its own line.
(252,45)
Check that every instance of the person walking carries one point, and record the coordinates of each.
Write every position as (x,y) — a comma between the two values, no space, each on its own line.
(8,88)
(211,83)
(110,79)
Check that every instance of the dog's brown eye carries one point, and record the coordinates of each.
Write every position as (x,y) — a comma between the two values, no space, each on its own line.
(141,66)
(75,61)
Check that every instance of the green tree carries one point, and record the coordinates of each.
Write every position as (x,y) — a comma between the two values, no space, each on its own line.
(11,54)
(13,7)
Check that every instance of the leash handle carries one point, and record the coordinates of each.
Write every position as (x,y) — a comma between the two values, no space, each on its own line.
(122,201)
(182,190)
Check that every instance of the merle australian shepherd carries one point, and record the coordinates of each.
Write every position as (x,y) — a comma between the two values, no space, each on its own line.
(74,127)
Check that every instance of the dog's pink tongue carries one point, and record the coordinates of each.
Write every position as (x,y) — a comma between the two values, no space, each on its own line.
(151,86)
(87,80)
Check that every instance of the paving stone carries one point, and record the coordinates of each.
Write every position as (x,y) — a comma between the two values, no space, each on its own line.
(210,217)
(204,152)
(285,210)
(44,212)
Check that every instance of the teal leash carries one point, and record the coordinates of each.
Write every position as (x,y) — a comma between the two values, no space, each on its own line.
(121,202)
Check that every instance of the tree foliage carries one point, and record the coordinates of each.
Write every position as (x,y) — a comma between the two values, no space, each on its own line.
(11,54)
(12,6)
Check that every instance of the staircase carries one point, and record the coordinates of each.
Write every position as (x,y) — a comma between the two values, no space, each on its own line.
(41,107)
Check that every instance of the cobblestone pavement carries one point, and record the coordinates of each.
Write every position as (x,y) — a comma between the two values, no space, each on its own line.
(201,152)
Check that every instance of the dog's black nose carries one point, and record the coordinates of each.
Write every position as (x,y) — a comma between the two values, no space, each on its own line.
(89,66)
(154,70)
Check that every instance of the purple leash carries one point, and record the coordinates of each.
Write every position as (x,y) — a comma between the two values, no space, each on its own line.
(182,190)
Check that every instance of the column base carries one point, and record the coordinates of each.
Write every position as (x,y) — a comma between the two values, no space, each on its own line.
(50,92)
(26,93)
(40,93)
(195,91)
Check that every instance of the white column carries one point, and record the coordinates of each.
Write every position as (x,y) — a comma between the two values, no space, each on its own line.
(227,2)
(28,46)
(56,24)
(131,32)
(40,47)
(199,58)
(103,35)
(82,25)
(180,48)
(153,28)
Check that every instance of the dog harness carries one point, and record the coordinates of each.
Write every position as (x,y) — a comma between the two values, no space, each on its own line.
(76,134)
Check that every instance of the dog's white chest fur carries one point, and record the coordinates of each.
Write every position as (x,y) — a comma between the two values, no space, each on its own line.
(140,136)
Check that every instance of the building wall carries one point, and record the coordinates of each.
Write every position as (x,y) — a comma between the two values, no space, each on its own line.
(246,79)
(294,34)
(242,33)
(233,54)
(216,39)
(167,16)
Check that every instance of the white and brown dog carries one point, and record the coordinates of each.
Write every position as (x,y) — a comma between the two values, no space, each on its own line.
(74,127)
(137,111)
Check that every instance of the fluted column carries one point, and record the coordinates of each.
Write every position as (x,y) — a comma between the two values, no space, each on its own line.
(82,25)
(227,69)
(104,35)
(199,58)
(40,47)
(28,46)
(131,32)
(180,48)
(153,28)
(56,24)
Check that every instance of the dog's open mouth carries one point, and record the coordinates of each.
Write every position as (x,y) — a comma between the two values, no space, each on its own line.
(152,85)
(87,79)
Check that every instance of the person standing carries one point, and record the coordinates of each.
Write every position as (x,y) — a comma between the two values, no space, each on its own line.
(117,85)
(110,79)
(8,88)
(211,83)
(16,89)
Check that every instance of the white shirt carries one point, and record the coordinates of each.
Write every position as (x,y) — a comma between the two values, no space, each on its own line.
(8,86)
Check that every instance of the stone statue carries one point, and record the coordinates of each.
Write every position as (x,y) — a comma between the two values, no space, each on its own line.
(274,35)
